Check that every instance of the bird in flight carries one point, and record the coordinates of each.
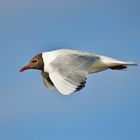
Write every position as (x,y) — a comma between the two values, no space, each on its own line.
(67,70)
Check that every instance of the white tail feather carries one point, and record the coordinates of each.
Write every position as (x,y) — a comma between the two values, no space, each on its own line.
(110,62)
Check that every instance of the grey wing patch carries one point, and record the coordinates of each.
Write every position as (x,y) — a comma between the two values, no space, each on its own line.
(69,72)
(46,79)
(74,61)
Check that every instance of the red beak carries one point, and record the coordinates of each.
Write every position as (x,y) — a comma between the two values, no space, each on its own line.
(24,68)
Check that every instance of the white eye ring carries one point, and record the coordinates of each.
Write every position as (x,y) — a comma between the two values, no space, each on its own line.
(34,61)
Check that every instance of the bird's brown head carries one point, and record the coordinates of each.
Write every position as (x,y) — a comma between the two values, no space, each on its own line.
(35,63)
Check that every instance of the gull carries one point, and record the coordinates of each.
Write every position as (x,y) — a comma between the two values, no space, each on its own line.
(67,70)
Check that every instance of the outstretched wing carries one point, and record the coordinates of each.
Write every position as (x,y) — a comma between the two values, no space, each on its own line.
(69,72)
(46,79)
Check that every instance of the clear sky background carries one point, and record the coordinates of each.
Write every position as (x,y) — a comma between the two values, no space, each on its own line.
(108,108)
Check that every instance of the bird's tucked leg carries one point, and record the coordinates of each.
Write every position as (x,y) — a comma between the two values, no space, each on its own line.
(118,67)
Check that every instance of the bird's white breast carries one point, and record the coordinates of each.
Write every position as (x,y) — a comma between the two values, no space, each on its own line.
(48,57)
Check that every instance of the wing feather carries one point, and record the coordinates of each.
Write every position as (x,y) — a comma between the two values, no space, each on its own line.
(69,72)
(46,79)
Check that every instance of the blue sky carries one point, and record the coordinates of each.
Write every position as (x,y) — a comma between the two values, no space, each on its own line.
(108,108)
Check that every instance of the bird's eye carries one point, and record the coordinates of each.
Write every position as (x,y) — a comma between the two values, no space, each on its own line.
(34,61)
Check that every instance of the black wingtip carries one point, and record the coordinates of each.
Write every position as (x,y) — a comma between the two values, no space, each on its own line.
(80,86)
